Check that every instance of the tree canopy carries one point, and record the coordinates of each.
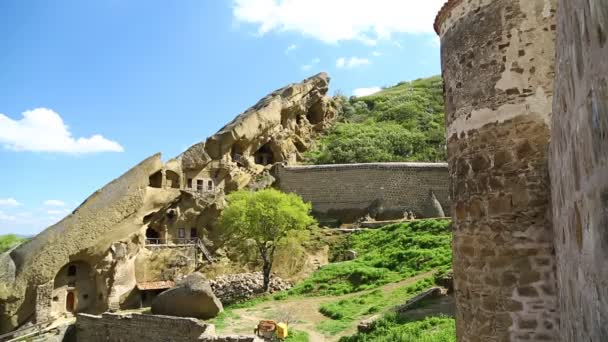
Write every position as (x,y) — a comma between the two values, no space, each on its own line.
(265,217)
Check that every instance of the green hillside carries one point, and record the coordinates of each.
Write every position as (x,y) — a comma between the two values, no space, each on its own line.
(400,123)
(8,241)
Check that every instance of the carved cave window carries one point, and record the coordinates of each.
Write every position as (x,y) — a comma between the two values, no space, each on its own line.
(72,271)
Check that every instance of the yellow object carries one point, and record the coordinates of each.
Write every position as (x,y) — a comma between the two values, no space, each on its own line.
(282,330)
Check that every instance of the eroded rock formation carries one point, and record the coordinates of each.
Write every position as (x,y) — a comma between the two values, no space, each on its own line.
(101,256)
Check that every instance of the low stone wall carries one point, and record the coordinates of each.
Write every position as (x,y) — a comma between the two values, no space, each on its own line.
(110,327)
(350,191)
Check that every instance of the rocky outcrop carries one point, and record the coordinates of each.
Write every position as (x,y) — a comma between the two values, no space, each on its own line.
(237,287)
(433,206)
(173,203)
(191,297)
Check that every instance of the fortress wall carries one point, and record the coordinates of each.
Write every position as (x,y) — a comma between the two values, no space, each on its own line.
(579,169)
(497,64)
(346,192)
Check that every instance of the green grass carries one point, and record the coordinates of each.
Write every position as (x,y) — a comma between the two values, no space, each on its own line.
(220,321)
(390,328)
(343,312)
(404,122)
(386,255)
(297,336)
(10,240)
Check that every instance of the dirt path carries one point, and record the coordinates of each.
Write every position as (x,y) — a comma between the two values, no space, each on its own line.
(303,311)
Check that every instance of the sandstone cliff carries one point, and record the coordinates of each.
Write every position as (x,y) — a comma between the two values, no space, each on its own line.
(87,262)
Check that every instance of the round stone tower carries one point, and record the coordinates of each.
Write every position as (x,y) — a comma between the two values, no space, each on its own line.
(497,64)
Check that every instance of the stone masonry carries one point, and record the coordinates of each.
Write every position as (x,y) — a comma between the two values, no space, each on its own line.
(497,64)
(150,328)
(579,169)
(348,192)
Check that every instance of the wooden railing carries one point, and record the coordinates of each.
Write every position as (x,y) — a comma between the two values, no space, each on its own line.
(178,241)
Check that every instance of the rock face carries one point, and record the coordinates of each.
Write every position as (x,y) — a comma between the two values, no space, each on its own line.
(497,64)
(191,297)
(579,169)
(89,261)
(237,287)
(433,207)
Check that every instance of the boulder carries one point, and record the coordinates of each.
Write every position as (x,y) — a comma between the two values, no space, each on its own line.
(433,206)
(191,297)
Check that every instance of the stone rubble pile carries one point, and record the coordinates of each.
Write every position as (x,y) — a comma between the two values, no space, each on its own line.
(237,287)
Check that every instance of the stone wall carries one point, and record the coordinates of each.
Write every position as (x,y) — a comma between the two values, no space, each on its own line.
(579,169)
(150,328)
(497,64)
(348,192)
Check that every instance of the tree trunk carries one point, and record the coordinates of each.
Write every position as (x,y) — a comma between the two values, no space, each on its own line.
(266,271)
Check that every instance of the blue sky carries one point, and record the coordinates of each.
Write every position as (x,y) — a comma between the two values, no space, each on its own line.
(90,88)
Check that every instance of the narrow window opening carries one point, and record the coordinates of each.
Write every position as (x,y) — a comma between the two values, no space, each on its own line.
(72,271)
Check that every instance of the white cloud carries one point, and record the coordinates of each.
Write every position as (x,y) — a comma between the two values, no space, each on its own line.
(290,48)
(351,62)
(340,20)
(6,217)
(366,91)
(43,130)
(54,203)
(307,67)
(9,202)
(376,53)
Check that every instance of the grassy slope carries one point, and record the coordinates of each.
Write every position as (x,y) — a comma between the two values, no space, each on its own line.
(391,328)
(384,255)
(10,240)
(400,123)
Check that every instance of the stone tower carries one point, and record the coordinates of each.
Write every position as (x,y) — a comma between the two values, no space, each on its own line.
(497,64)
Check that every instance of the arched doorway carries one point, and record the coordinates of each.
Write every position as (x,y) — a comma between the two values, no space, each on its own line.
(264,156)
(156,180)
(173,179)
(70,302)
(74,289)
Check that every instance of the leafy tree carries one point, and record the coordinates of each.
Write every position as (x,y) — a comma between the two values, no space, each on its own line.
(265,217)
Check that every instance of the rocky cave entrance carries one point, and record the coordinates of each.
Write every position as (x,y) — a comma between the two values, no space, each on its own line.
(315,114)
(74,289)
(152,237)
(264,155)
(156,180)
(173,179)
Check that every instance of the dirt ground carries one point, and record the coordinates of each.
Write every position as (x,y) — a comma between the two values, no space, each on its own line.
(303,312)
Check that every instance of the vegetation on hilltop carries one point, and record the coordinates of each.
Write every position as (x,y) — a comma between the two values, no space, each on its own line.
(10,240)
(400,123)
(385,255)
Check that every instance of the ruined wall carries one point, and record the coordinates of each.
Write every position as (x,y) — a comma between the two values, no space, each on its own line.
(150,328)
(346,192)
(579,169)
(497,64)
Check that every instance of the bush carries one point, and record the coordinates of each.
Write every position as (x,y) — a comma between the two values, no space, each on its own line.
(400,123)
